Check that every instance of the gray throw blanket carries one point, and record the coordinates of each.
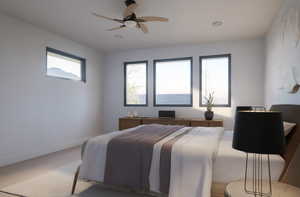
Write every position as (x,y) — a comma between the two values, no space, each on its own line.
(165,163)
(129,156)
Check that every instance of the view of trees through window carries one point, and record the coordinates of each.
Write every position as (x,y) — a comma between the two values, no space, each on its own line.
(62,65)
(173,81)
(136,83)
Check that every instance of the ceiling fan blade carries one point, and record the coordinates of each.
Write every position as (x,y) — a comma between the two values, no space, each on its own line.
(130,10)
(116,28)
(153,18)
(143,27)
(108,18)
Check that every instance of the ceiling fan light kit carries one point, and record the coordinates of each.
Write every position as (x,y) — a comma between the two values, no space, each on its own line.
(131,20)
(130,23)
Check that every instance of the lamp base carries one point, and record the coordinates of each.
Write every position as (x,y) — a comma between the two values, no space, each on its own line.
(256,187)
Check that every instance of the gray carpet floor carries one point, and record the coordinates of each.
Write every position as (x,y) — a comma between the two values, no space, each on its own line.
(58,183)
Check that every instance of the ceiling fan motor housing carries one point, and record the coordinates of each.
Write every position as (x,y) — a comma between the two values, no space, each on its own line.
(129,2)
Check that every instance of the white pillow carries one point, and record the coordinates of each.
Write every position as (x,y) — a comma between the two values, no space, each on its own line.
(288,127)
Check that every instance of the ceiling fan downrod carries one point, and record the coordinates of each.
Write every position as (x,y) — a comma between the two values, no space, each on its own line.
(129,2)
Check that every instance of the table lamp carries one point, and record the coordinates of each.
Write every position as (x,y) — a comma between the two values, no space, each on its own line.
(259,133)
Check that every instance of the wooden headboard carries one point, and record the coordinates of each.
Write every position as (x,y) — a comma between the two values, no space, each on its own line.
(290,113)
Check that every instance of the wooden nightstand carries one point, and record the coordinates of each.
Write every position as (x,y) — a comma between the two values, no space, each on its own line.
(236,189)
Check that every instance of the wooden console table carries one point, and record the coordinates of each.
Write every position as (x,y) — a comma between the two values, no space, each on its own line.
(127,122)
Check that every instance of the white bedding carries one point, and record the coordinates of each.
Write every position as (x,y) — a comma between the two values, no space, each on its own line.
(229,163)
(94,157)
(201,157)
(154,171)
(191,162)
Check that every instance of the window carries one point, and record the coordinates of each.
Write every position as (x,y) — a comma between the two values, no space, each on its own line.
(215,76)
(64,65)
(173,82)
(136,92)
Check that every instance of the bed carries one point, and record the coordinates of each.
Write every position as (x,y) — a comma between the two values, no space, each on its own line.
(224,163)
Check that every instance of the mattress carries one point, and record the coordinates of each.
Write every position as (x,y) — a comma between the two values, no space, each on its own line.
(229,164)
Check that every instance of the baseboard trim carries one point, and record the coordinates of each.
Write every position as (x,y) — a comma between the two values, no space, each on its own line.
(10,160)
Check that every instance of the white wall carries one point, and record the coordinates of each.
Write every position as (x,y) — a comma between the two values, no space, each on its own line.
(247,79)
(282,54)
(39,114)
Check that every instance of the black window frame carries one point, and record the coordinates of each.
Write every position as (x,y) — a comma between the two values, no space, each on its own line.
(154,82)
(229,56)
(69,55)
(125,83)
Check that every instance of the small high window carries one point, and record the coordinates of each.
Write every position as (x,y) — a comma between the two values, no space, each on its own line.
(64,65)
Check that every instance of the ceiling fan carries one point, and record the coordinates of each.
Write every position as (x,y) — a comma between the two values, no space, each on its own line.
(131,20)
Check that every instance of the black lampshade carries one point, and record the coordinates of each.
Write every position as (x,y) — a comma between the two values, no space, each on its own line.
(258,132)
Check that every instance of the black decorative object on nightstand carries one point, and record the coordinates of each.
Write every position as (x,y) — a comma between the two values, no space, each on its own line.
(166,114)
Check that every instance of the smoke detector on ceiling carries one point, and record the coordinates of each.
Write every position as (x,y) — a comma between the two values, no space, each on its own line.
(118,36)
(217,23)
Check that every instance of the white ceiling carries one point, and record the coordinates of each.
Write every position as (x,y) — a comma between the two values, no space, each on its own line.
(190,20)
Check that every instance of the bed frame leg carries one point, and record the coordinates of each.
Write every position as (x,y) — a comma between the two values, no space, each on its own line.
(11,194)
(75,180)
